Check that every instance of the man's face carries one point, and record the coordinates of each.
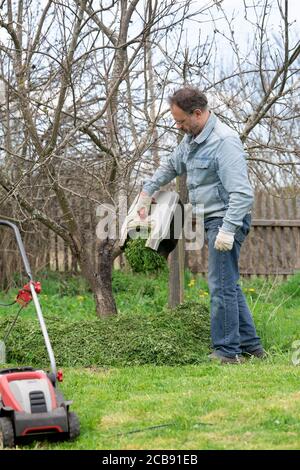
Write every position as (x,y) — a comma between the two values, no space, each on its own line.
(188,123)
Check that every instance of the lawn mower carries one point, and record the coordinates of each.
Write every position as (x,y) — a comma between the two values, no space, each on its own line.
(31,406)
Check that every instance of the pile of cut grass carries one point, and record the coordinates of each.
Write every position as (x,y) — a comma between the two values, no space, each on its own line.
(180,336)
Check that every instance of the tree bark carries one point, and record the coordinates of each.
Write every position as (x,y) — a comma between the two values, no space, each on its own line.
(101,281)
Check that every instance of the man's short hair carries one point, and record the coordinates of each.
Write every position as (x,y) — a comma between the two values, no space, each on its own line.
(188,99)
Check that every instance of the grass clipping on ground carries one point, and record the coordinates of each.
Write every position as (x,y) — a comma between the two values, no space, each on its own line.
(171,337)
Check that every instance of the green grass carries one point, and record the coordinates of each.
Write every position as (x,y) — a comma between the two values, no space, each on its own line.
(250,406)
(191,406)
(275,306)
(70,296)
(180,336)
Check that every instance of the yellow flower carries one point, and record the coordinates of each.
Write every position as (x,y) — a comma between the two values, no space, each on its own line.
(80,298)
(251,289)
(191,283)
(203,292)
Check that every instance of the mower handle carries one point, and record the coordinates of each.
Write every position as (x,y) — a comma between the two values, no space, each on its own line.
(33,293)
(20,245)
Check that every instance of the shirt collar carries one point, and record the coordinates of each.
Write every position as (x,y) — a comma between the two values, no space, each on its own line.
(208,128)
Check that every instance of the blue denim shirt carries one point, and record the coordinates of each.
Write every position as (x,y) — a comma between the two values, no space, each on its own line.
(217,175)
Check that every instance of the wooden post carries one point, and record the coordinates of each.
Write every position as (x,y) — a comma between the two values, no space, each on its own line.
(177,257)
(175,288)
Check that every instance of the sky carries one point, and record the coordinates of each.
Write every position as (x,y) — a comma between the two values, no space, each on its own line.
(232,8)
(243,29)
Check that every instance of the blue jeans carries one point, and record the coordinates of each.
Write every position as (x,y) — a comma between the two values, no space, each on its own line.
(232,327)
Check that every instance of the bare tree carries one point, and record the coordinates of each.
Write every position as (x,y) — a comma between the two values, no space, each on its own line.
(75,119)
(260,96)
(83,118)
(255,88)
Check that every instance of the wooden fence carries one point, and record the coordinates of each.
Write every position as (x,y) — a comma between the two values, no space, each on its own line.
(273,245)
(271,248)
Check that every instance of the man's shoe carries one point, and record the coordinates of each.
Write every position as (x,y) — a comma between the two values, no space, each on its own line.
(237,359)
(258,353)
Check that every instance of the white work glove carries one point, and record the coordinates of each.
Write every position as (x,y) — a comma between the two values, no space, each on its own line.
(143,205)
(224,240)
(139,217)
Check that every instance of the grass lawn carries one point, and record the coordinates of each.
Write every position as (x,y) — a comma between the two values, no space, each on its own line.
(250,406)
(255,405)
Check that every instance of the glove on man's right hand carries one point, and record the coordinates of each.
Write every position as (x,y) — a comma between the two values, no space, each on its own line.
(143,205)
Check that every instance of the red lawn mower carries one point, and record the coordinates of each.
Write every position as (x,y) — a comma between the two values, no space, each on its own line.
(31,406)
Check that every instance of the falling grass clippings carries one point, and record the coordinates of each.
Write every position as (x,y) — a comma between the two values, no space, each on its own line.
(143,259)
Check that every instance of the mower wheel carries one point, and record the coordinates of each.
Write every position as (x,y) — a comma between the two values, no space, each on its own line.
(7,436)
(74,426)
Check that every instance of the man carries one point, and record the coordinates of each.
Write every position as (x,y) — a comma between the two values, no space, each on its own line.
(212,156)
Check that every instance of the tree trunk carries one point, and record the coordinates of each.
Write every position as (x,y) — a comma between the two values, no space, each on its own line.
(101,281)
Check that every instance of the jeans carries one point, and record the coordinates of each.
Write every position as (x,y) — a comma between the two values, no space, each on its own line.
(232,327)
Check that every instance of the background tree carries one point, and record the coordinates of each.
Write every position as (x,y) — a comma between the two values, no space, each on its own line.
(75,115)
(83,112)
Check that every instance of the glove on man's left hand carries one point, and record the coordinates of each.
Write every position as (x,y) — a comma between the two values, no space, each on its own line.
(224,240)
